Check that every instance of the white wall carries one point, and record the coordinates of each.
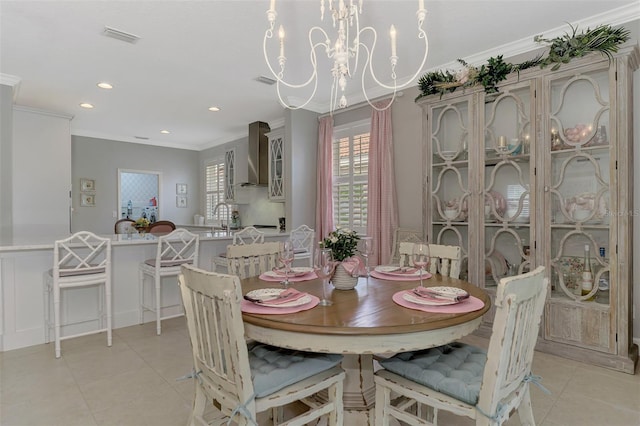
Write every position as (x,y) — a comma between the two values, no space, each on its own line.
(41,173)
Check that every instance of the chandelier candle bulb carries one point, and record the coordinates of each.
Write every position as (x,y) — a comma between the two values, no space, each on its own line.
(392,33)
(281,35)
(272,6)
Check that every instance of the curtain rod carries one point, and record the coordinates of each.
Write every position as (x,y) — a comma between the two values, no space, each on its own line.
(360,105)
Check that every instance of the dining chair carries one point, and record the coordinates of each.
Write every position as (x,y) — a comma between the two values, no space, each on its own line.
(123,226)
(445,260)
(303,239)
(162,227)
(173,250)
(250,260)
(82,260)
(248,235)
(243,380)
(465,380)
(403,235)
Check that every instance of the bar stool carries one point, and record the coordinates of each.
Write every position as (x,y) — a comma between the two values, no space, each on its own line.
(82,260)
(175,249)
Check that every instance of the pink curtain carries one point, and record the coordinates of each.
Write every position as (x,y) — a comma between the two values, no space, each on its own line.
(382,208)
(324,190)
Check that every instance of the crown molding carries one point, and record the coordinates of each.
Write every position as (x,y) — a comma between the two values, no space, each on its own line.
(42,112)
(12,81)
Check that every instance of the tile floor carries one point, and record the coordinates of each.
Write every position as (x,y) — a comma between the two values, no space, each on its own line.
(134,383)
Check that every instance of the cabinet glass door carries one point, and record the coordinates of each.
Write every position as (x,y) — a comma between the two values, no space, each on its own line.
(450,126)
(579,194)
(276,166)
(230,174)
(508,173)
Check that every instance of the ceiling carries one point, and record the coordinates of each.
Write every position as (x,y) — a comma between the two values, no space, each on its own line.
(195,54)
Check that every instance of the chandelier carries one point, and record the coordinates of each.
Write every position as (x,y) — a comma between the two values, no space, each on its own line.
(345,51)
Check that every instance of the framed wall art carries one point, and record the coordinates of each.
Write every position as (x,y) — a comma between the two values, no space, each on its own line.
(87,200)
(181,201)
(87,185)
(181,188)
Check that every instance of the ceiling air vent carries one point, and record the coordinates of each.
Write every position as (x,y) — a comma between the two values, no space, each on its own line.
(266,80)
(120,35)
(145,138)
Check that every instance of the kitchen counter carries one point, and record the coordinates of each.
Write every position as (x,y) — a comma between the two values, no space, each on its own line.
(39,242)
(24,260)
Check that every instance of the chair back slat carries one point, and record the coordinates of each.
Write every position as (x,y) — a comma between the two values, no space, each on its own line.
(81,252)
(250,260)
(519,304)
(303,240)
(212,308)
(249,235)
(180,246)
(445,260)
(403,235)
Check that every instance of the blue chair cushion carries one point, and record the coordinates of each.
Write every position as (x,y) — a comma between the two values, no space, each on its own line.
(455,369)
(274,368)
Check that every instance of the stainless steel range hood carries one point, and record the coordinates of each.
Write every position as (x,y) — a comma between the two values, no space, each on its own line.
(258,162)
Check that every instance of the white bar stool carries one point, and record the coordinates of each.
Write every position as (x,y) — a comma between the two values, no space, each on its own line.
(82,260)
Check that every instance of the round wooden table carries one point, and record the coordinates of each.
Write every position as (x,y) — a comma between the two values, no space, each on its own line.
(360,323)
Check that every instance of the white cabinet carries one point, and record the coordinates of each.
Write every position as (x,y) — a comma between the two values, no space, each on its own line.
(528,177)
(230,175)
(276,165)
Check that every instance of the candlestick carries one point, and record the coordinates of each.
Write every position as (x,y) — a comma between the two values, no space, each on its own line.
(502,141)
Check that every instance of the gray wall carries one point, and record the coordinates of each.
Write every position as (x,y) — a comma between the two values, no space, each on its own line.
(6,169)
(100,159)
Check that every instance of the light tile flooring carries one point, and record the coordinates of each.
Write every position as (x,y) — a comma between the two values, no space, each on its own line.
(134,383)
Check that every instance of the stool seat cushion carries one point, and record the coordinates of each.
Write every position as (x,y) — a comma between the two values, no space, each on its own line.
(274,368)
(168,263)
(454,369)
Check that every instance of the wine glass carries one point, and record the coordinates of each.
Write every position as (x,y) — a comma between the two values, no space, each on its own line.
(323,266)
(286,258)
(366,250)
(420,257)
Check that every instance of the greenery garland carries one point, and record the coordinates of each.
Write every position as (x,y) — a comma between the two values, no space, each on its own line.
(603,39)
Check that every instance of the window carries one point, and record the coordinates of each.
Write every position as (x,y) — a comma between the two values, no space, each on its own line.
(350,176)
(215,189)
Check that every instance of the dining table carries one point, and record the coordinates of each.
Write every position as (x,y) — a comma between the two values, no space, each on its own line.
(359,324)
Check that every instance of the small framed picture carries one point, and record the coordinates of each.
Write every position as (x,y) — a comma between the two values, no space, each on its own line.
(87,185)
(181,188)
(181,201)
(87,200)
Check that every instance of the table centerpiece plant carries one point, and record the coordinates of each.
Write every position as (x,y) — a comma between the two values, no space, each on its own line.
(343,244)
(142,224)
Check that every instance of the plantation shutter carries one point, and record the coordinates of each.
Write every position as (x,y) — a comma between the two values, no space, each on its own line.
(214,189)
(350,175)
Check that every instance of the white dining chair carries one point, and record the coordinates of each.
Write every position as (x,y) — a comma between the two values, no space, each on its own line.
(445,260)
(465,380)
(303,239)
(243,380)
(173,250)
(401,235)
(250,260)
(248,235)
(82,260)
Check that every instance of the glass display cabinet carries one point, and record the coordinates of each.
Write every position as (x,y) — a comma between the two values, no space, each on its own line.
(534,175)
(276,165)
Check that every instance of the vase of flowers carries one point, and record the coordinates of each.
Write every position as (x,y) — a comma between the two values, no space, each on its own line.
(343,243)
(141,225)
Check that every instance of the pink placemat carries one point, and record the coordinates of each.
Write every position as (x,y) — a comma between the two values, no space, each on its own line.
(305,277)
(255,308)
(399,277)
(469,305)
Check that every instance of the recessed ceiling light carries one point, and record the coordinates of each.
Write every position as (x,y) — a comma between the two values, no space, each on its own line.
(104,85)
(214,109)
(86,105)
(165,132)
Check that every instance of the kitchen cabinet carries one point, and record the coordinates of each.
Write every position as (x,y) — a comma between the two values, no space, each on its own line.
(230,175)
(276,165)
(531,175)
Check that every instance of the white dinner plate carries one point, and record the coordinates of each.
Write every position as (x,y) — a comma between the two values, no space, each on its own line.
(397,272)
(410,297)
(268,294)
(296,271)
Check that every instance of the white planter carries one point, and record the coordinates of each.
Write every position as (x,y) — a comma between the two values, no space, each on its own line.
(342,280)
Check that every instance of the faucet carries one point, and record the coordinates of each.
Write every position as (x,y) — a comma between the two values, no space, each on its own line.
(215,210)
